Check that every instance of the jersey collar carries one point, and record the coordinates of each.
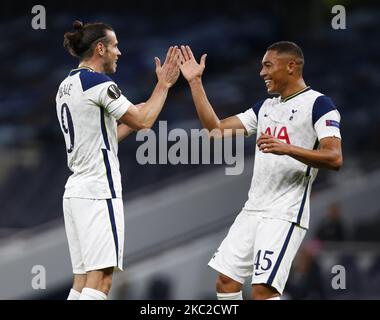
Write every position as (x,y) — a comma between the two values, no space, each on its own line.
(74,71)
(295,94)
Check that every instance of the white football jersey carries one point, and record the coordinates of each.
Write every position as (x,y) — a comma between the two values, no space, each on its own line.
(88,105)
(281,185)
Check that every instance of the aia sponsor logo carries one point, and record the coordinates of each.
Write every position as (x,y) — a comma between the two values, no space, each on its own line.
(281,134)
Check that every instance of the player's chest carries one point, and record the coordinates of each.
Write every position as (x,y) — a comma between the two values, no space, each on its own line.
(285,121)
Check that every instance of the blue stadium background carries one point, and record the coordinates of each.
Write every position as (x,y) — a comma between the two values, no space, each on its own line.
(344,64)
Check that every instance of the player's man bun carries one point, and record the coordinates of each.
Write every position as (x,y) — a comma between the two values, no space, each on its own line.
(78,25)
(80,42)
(72,40)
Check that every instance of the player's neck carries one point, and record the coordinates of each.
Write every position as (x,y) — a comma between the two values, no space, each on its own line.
(293,88)
(97,67)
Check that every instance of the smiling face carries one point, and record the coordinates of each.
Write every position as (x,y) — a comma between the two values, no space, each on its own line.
(111,53)
(277,71)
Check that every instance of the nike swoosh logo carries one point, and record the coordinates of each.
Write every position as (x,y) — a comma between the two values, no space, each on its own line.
(259,273)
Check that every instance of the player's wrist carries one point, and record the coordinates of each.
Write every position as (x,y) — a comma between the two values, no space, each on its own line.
(195,81)
(163,85)
(289,150)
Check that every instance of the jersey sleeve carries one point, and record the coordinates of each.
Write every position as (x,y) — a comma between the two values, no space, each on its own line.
(105,93)
(326,118)
(249,121)
(249,118)
(111,99)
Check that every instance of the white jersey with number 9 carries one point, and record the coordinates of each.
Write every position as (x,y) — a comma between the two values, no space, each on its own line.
(88,107)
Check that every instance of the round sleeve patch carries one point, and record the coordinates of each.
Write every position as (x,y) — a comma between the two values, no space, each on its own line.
(113,91)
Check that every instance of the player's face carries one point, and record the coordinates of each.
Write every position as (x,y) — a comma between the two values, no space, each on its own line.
(112,53)
(274,72)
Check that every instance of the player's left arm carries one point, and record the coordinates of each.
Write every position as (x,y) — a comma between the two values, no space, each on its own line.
(326,122)
(329,155)
(124,130)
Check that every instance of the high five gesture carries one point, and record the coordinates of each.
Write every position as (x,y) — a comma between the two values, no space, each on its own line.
(190,68)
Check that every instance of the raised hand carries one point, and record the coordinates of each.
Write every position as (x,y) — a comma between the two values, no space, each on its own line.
(190,68)
(168,73)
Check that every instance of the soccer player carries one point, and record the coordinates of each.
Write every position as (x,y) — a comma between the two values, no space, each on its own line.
(89,104)
(297,133)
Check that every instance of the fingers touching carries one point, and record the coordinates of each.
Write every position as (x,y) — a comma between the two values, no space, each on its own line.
(171,55)
(182,58)
(181,54)
(187,55)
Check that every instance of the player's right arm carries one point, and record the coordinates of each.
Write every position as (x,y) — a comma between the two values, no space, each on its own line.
(144,116)
(192,71)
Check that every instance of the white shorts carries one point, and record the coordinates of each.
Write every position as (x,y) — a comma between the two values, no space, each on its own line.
(95,233)
(263,248)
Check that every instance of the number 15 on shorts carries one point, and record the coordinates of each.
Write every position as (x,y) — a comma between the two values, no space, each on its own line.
(263,262)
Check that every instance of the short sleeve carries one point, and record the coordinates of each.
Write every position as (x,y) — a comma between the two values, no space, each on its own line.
(249,121)
(326,118)
(104,92)
(111,99)
(249,118)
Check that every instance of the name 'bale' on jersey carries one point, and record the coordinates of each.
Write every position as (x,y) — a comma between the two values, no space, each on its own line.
(281,185)
(88,107)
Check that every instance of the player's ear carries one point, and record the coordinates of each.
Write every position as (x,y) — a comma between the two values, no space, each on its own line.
(291,66)
(101,49)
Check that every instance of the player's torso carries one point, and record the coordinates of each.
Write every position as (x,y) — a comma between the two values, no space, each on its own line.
(289,121)
(279,181)
(89,132)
